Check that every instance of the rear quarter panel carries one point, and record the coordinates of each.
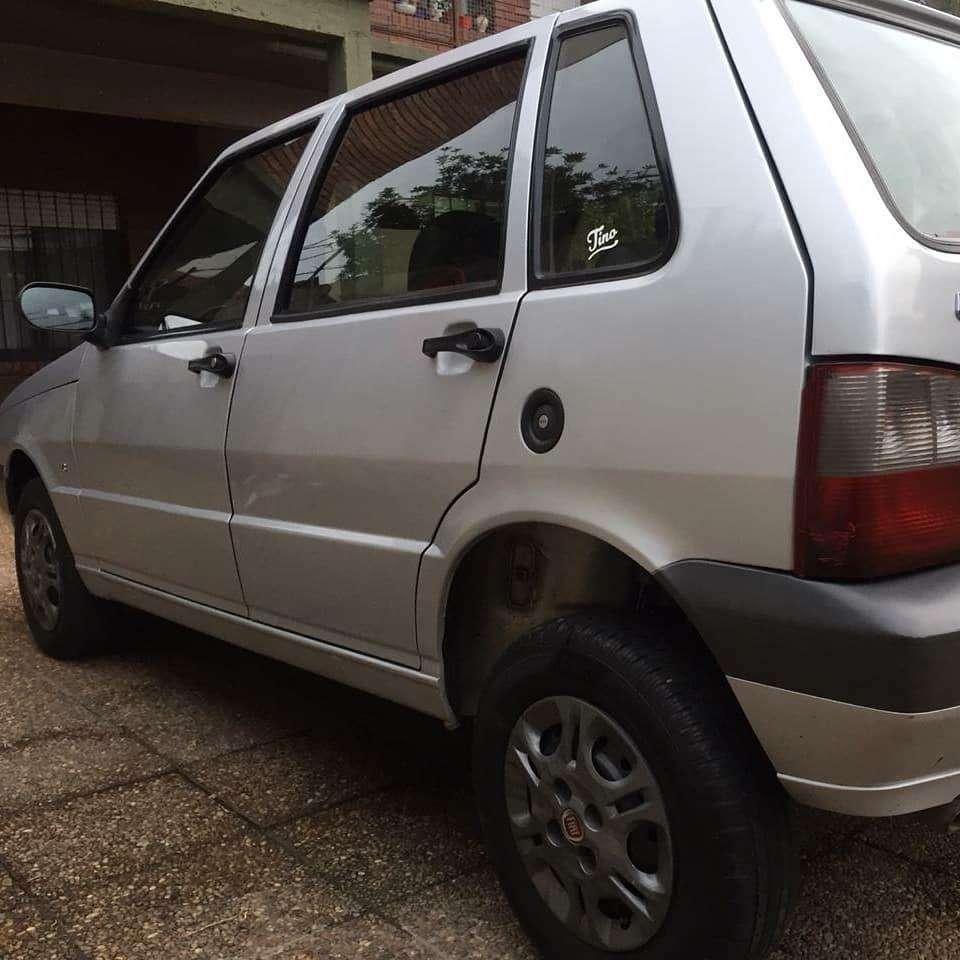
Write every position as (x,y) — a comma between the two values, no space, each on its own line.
(682,387)
(878,290)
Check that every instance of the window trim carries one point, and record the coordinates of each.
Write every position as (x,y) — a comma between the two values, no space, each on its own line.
(895,23)
(464,67)
(129,292)
(537,278)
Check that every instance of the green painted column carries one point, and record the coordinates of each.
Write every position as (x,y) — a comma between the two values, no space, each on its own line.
(351,58)
(351,61)
(345,23)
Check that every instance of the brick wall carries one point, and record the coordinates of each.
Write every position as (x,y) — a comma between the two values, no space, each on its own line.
(436,25)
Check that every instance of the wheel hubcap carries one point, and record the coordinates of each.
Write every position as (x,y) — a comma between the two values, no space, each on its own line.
(589,822)
(40,569)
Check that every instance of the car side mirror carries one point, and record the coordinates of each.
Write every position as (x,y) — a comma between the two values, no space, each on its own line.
(58,307)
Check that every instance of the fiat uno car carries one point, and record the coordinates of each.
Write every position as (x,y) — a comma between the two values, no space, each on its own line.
(597,384)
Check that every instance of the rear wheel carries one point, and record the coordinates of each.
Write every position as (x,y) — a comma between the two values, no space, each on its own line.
(65,619)
(626,805)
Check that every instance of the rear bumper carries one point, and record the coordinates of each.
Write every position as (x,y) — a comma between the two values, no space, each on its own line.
(852,689)
(851,759)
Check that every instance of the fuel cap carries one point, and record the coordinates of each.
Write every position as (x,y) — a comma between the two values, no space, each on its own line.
(541,422)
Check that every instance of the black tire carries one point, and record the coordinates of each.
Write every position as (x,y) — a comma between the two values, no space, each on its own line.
(82,623)
(732,856)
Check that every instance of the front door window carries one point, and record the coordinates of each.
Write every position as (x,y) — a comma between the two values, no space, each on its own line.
(202,273)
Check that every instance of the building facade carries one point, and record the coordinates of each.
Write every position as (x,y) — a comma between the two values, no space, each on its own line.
(111,109)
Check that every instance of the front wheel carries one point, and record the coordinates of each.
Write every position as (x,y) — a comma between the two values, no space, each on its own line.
(626,806)
(66,621)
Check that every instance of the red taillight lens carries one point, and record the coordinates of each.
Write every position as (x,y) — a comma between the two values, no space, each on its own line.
(878,473)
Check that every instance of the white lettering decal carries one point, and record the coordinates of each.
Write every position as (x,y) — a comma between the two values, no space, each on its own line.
(600,239)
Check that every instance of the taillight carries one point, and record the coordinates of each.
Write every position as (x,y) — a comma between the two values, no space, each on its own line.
(878,472)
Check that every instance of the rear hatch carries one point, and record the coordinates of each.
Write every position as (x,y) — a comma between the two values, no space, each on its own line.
(896,85)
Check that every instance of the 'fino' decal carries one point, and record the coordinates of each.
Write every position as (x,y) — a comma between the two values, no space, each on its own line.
(600,239)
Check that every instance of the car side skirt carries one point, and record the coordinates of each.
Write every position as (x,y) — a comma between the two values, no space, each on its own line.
(412,688)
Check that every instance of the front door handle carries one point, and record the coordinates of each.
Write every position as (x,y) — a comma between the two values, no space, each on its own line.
(222,364)
(484,346)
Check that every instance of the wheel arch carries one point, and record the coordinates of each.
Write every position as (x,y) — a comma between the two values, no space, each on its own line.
(20,470)
(520,574)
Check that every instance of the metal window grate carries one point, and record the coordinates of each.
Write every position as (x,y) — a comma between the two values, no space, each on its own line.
(57,236)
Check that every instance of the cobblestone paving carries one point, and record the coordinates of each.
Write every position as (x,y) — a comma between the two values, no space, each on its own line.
(184,799)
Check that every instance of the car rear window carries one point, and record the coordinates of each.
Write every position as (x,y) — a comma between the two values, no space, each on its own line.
(901,92)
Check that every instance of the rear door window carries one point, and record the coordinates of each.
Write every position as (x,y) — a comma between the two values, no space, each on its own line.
(414,199)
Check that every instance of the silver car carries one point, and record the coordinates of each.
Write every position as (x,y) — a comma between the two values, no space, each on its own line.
(597,384)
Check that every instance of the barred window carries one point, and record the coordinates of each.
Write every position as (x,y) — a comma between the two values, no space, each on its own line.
(56,236)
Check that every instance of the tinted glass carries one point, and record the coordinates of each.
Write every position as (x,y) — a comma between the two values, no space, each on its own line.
(414,199)
(907,113)
(603,202)
(203,271)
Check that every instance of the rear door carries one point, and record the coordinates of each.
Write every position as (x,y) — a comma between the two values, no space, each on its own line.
(347,442)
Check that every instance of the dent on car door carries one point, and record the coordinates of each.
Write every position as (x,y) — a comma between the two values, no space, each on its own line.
(152,410)
(347,439)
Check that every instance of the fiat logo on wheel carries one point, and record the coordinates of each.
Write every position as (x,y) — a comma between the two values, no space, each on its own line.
(572,827)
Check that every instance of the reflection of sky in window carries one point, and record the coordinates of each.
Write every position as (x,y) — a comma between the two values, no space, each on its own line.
(490,135)
(597,110)
(907,113)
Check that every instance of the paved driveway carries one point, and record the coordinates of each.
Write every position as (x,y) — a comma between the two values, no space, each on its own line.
(183,799)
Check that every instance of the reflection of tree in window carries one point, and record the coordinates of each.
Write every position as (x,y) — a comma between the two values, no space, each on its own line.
(466,184)
(414,198)
(600,171)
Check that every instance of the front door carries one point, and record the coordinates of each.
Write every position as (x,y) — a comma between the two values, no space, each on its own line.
(350,435)
(152,411)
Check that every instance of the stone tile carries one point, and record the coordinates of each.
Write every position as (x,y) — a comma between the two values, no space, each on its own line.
(9,590)
(19,655)
(391,845)
(818,831)
(428,750)
(91,839)
(134,666)
(30,707)
(29,933)
(194,722)
(917,838)
(152,657)
(465,919)
(235,898)
(289,778)
(367,938)
(65,765)
(862,903)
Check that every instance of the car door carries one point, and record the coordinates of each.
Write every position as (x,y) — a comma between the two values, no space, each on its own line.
(152,410)
(350,433)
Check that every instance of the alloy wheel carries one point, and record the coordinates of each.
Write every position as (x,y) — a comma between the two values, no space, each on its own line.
(40,569)
(589,822)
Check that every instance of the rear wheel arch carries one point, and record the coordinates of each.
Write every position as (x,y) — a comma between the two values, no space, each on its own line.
(518,576)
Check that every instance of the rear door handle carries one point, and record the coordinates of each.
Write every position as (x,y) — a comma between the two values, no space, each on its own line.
(222,364)
(484,346)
